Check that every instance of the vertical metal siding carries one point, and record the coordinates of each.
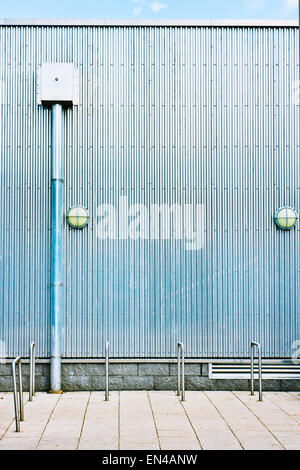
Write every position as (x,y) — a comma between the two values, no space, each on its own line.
(167,114)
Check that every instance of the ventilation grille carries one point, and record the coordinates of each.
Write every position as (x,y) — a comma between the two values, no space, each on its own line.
(242,371)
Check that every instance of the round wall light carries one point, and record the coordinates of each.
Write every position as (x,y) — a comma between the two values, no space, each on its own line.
(77,216)
(285,218)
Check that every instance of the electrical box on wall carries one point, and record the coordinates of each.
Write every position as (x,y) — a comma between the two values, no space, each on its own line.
(58,82)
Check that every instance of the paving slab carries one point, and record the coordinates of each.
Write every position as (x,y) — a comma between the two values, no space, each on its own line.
(172,423)
(36,414)
(101,424)
(137,427)
(212,431)
(295,394)
(287,403)
(64,427)
(6,412)
(75,395)
(289,439)
(11,443)
(283,427)
(242,421)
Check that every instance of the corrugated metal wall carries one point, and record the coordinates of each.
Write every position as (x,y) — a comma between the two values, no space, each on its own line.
(169,114)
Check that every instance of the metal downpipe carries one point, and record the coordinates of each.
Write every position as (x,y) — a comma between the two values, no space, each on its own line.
(56,249)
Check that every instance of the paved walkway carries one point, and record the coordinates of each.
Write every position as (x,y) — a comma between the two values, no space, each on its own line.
(153,421)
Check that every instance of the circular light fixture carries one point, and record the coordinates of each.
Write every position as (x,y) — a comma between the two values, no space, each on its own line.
(77,216)
(285,218)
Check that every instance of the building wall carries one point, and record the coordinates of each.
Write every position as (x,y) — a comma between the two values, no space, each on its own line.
(200,115)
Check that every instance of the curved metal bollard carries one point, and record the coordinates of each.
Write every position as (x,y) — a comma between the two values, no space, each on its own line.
(18,404)
(106,371)
(253,344)
(180,371)
(32,372)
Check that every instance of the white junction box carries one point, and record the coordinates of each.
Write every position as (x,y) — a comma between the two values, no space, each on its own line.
(58,82)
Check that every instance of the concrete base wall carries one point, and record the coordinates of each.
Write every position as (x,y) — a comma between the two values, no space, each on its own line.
(135,376)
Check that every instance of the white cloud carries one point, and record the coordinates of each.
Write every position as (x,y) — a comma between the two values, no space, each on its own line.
(290,5)
(139,7)
(156,6)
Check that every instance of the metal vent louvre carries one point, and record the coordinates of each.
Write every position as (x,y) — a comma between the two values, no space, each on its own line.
(242,371)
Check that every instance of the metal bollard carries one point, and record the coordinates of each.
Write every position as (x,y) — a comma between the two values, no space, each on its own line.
(180,372)
(18,404)
(106,371)
(32,372)
(253,344)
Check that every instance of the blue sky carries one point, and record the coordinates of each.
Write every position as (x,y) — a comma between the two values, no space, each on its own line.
(157,9)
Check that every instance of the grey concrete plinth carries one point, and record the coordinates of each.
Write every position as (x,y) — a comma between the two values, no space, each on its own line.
(137,376)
